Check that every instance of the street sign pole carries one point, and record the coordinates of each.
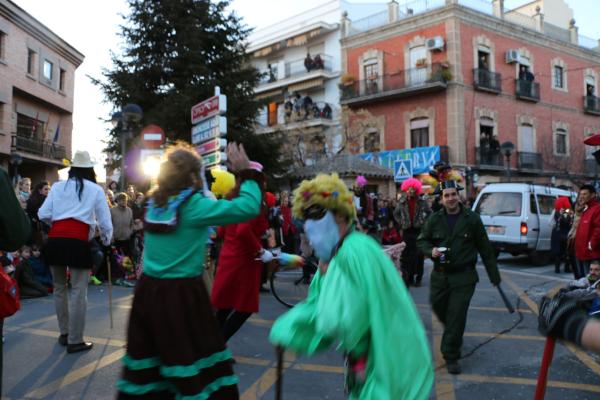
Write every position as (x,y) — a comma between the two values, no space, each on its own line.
(209,128)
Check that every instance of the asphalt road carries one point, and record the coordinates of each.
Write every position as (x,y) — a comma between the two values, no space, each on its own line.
(502,352)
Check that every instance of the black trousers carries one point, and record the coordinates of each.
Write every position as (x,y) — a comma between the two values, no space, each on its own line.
(231,321)
(412,259)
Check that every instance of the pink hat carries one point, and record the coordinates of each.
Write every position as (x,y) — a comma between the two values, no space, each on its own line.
(256,166)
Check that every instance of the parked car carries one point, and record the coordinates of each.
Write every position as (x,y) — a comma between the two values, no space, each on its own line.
(517,217)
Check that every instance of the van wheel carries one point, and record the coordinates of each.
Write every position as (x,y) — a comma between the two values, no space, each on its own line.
(540,258)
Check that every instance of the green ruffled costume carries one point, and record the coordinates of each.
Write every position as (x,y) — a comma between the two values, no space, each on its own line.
(362,303)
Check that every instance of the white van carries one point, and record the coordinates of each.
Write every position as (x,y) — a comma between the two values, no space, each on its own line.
(517,217)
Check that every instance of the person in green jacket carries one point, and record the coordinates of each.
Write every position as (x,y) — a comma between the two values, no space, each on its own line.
(357,299)
(15,230)
(452,237)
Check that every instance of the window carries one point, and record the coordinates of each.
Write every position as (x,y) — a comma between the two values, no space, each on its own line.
(30,127)
(500,203)
(559,81)
(61,80)
(419,132)
(546,204)
(2,45)
(30,61)
(371,71)
(371,142)
(560,142)
(272,114)
(48,66)
(483,60)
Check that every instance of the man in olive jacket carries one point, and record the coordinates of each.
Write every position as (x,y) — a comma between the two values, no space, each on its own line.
(454,276)
(15,229)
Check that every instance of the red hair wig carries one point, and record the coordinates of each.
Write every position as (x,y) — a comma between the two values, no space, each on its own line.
(412,183)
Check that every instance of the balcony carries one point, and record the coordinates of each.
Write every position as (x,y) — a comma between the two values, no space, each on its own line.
(38,147)
(487,81)
(487,159)
(527,90)
(294,72)
(317,114)
(402,84)
(591,105)
(529,160)
(591,167)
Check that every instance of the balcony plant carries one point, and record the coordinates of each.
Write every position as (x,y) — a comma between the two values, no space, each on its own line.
(346,85)
(421,63)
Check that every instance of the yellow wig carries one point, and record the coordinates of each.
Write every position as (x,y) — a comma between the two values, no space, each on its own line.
(328,191)
(223,184)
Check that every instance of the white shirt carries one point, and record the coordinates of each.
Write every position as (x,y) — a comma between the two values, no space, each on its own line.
(63,202)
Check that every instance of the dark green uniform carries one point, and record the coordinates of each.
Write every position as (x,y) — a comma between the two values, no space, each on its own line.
(453,283)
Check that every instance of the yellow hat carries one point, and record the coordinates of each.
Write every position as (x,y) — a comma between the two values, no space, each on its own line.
(328,191)
(223,184)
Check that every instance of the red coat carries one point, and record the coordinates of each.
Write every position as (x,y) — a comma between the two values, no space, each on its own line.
(286,213)
(237,282)
(588,233)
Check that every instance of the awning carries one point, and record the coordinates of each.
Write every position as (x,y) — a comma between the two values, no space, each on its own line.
(274,94)
(305,85)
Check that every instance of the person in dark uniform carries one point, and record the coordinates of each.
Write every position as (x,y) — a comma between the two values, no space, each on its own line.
(452,237)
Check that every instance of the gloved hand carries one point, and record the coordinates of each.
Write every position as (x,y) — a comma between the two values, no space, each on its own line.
(562,318)
(266,256)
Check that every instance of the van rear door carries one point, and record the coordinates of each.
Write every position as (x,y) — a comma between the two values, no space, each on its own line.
(501,214)
(545,204)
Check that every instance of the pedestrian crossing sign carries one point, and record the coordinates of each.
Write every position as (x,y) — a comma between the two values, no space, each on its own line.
(403,169)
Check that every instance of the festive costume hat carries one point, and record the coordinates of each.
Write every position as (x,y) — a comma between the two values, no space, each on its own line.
(327,191)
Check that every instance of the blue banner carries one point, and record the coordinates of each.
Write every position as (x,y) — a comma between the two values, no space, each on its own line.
(422,158)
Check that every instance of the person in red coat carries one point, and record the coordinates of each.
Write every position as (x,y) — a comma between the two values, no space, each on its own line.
(587,237)
(235,292)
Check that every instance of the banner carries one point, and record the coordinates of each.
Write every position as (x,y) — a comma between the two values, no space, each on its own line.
(422,158)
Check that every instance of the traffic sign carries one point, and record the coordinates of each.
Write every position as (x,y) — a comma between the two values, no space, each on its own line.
(210,107)
(211,128)
(213,158)
(153,136)
(211,146)
(403,169)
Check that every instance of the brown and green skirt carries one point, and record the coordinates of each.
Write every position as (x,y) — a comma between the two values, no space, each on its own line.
(174,345)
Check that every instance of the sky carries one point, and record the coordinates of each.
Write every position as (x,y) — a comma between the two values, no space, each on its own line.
(93,30)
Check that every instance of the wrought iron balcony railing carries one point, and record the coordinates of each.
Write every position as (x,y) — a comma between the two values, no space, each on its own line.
(529,160)
(39,147)
(527,90)
(488,158)
(486,80)
(591,105)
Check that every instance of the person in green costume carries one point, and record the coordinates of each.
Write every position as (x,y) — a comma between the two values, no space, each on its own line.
(356,299)
(452,237)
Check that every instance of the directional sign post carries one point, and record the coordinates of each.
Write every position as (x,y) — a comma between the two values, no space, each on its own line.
(403,169)
(209,127)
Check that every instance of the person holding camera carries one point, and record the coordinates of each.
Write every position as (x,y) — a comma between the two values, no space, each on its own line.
(452,237)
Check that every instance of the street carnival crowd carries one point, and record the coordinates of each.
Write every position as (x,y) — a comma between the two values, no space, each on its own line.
(198,249)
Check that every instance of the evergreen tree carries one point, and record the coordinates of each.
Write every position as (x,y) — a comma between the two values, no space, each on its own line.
(175,52)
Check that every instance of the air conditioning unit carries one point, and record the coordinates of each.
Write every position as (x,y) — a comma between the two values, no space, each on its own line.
(513,56)
(435,43)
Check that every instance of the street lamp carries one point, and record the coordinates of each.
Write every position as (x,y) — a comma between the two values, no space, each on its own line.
(507,149)
(15,161)
(124,121)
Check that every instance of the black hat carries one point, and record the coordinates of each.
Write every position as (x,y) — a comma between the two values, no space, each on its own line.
(449,184)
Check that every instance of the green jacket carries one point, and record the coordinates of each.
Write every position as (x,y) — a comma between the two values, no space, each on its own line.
(469,238)
(15,227)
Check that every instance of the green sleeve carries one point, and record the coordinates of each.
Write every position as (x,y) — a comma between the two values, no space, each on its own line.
(486,251)
(15,227)
(424,239)
(208,212)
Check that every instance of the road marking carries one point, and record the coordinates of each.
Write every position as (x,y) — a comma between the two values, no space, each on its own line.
(252,361)
(260,386)
(496,309)
(580,354)
(534,275)
(259,321)
(319,368)
(444,386)
(76,375)
(525,381)
(504,336)
(54,334)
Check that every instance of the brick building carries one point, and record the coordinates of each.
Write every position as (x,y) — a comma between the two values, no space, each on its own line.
(468,75)
(37,77)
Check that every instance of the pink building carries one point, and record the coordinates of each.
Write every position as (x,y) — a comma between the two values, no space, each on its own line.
(37,77)
(469,76)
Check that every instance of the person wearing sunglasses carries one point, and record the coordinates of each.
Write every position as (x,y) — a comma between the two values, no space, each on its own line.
(356,299)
